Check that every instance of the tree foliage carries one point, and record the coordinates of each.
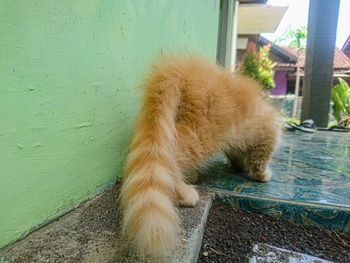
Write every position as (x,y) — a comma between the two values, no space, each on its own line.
(294,36)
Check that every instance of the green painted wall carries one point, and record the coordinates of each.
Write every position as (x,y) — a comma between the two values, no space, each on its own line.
(69,72)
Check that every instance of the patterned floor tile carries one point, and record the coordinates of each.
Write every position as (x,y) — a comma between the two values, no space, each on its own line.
(309,170)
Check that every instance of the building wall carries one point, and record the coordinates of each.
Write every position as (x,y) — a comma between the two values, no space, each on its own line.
(280,78)
(68,94)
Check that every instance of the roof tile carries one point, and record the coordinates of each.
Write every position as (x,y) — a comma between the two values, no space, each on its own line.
(341,61)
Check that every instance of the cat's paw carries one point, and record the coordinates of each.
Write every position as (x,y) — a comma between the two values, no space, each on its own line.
(188,195)
(266,176)
(263,177)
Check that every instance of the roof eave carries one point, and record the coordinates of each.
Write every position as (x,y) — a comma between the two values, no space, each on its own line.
(346,44)
(254,19)
(278,50)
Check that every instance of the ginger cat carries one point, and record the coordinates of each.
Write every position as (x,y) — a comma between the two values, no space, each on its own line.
(191,110)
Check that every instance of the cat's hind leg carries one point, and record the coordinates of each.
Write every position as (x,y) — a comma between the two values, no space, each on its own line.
(188,155)
(187,194)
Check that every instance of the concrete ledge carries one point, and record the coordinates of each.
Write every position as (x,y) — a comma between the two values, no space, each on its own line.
(193,222)
(91,233)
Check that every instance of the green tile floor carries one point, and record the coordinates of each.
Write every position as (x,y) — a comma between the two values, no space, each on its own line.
(310,183)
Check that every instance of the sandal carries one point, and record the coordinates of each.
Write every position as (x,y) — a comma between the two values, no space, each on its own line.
(305,126)
(336,128)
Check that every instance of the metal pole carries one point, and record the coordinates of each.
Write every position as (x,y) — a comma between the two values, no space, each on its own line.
(297,83)
(318,76)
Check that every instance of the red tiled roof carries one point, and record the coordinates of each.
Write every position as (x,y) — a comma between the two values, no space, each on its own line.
(341,61)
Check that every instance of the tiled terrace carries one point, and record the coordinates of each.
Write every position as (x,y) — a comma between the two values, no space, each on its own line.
(310,184)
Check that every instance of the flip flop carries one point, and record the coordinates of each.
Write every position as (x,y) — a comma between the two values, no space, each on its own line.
(291,126)
(336,128)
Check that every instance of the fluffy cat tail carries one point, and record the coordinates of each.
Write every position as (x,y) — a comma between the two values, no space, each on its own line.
(150,219)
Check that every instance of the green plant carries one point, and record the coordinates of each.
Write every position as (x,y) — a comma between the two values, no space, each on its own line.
(341,103)
(294,36)
(258,66)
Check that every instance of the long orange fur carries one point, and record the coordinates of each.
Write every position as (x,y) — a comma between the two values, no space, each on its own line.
(191,110)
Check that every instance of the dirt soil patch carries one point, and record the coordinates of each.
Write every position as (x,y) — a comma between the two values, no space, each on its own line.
(230,235)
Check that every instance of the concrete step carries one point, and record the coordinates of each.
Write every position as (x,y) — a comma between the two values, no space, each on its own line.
(91,233)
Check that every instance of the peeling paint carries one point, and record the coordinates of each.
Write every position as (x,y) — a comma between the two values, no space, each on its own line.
(20,146)
(84,125)
(37,145)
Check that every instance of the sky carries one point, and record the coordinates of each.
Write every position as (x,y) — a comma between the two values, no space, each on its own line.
(297,13)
